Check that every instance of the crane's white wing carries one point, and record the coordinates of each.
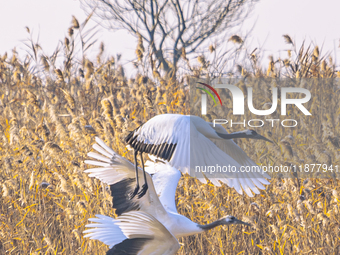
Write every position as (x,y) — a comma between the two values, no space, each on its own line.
(165,180)
(137,225)
(249,181)
(104,229)
(134,232)
(232,149)
(119,173)
(183,141)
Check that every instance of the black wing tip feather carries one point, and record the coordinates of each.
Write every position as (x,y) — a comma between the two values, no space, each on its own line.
(120,199)
(130,137)
(128,247)
(163,150)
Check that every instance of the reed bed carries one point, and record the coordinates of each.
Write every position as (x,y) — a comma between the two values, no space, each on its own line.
(50,116)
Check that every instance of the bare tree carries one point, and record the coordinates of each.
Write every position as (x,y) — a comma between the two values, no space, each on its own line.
(171,27)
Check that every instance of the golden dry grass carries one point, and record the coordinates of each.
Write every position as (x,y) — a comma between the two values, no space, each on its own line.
(48,125)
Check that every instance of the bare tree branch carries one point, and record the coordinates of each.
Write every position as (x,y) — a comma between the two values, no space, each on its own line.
(168,27)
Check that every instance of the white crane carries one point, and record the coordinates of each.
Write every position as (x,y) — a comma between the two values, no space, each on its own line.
(156,210)
(188,142)
(135,232)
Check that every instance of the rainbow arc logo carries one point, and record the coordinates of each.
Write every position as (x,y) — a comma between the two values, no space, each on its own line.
(204,96)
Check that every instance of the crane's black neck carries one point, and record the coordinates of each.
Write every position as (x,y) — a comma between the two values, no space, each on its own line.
(211,225)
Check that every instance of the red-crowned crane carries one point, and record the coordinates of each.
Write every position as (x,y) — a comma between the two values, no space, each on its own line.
(151,224)
(186,141)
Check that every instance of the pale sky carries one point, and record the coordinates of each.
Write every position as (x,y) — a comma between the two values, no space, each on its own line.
(311,20)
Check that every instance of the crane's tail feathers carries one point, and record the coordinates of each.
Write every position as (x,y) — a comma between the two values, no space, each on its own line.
(104,229)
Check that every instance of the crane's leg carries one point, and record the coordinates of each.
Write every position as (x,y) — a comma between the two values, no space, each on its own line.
(145,185)
(134,193)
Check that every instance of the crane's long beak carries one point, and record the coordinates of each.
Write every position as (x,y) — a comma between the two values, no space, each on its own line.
(242,222)
(262,138)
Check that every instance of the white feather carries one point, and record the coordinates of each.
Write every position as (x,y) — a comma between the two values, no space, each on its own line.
(105,230)
(197,144)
